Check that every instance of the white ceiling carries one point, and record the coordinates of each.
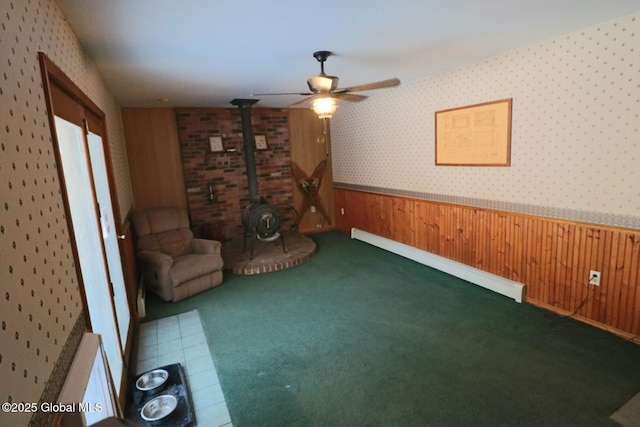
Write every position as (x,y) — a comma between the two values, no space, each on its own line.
(204,53)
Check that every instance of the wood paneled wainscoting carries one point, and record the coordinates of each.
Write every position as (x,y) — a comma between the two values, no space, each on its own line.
(551,257)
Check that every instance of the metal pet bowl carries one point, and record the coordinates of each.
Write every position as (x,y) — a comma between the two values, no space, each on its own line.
(152,380)
(158,408)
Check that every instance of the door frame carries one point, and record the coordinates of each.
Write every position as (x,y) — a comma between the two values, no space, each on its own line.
(53,78)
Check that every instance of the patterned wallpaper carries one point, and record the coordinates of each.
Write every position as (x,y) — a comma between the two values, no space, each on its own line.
(40,307)
(575,145)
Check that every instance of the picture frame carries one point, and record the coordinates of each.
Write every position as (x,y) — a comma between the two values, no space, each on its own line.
(260,140)
(215,144)
(474,135)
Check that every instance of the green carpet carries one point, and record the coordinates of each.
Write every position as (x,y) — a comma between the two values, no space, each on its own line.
(357,336)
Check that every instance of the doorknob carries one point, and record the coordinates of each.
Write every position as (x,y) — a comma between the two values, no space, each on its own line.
(121,236)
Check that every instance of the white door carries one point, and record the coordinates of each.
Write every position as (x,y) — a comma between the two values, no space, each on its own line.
(74,158)
(107,222)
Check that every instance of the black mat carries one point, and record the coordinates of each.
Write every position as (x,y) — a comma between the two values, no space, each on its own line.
(175,385)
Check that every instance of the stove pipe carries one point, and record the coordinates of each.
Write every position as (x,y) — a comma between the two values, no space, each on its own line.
(249,148)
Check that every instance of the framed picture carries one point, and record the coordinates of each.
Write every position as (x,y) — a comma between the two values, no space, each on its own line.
(215,144)
(261,141)
(475,135)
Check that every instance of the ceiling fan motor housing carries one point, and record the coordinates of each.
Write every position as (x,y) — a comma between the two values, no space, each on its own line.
(322,83)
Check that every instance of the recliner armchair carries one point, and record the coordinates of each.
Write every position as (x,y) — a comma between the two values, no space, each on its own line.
(174,264)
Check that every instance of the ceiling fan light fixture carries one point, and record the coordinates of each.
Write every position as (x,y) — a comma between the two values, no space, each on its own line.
(324,91)
(324,106)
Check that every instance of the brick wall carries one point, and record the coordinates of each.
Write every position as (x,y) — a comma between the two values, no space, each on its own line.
(226,172)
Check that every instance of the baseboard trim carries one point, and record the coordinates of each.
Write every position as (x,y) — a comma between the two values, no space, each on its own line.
(490,281)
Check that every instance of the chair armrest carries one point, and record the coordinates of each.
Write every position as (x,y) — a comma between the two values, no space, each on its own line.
(205,246)
(156,259)
(155,268)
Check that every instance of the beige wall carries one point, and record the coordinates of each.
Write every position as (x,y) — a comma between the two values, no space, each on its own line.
(575,131)
(40,302)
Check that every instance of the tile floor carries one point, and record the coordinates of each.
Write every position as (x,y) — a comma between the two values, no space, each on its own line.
(180,339)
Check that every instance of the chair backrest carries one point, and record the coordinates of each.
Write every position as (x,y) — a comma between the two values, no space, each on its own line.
(164,229)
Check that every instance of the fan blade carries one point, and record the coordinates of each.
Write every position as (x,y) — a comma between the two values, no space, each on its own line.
(350,97)
(283,93)
(370,86)
(302,101)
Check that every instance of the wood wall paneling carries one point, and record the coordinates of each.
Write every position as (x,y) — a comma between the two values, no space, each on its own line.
(308,149)
(551,257)
(154,157)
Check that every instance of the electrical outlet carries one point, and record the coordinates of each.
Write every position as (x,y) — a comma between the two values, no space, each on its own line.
(594,277)
(313,208)
(341,211)
(318,225)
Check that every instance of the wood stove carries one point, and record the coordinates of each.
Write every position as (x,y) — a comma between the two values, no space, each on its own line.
(261,220)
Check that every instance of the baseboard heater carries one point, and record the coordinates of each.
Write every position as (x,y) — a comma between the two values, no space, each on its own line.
(490,281)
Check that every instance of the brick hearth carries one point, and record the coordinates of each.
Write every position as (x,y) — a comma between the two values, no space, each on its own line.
(267,256)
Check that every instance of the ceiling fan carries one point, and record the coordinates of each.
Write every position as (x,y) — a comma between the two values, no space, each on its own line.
(324,92)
